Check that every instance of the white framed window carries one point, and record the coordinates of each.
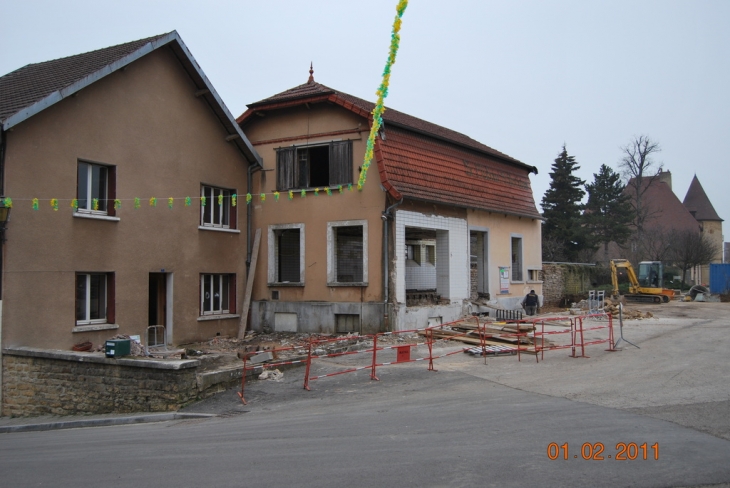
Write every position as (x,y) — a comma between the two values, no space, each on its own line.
(95,188)
(94,298)
(347,253)
(517,260)
(286,254)
(218,211)
(217,294)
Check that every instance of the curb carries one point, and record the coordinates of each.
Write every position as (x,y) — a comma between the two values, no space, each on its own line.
(75,424)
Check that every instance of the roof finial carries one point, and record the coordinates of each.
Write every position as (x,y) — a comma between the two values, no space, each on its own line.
(311,73)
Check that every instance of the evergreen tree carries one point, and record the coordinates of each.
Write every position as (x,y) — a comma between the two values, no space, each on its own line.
(562,208)
(608,213)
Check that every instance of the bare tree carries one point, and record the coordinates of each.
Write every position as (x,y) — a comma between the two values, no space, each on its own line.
(637,164)
(656,245)
(553,249)
(689,249)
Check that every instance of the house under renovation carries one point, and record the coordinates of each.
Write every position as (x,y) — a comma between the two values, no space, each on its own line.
(442,219)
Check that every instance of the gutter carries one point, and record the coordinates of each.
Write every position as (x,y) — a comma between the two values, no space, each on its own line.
(387,215)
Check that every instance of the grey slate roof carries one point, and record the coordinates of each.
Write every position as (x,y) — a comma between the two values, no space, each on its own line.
(35,87)
(34,82)
(698,203)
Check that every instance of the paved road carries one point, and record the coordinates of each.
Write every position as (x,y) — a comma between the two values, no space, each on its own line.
(466,425)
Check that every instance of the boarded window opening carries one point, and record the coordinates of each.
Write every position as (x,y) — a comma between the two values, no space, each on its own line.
(516,259)
(347,323)
(349,254)
(288,256)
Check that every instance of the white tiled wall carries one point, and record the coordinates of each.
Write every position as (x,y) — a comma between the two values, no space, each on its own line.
(452,253)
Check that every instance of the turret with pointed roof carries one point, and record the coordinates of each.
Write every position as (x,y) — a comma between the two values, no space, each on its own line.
(699,204)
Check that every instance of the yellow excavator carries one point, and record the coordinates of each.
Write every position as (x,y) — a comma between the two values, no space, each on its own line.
(647,286)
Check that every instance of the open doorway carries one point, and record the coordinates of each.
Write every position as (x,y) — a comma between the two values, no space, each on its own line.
(159,332)
(479,264)
(421,267)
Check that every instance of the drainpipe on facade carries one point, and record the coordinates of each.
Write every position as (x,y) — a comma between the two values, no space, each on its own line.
(386,261)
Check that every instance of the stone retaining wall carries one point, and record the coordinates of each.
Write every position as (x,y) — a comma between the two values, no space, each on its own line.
(565,280)
(43,382)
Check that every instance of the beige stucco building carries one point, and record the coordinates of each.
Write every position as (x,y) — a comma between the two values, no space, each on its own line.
(437,219)
(98,136)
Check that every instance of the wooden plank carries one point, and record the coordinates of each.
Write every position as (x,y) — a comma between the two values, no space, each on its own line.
(467,340)
(249,285)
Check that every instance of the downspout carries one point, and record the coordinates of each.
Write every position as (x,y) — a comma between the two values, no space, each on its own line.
(387,215)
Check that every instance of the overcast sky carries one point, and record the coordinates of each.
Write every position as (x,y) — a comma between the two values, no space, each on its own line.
(523,77)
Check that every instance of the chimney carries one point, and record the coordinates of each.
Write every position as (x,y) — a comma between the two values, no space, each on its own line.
(665,177)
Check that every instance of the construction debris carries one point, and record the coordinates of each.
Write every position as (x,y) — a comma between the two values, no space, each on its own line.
(271,375)
(612,307)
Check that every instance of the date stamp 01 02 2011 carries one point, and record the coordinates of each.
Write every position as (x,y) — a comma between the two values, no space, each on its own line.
(596,451)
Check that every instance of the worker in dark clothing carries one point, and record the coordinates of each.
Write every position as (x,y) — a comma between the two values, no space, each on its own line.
(530,302)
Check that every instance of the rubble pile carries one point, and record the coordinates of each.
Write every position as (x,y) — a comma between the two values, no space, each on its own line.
(612,308)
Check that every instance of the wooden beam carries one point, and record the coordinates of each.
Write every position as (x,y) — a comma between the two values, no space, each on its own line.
(232,137)
(201,92)
(249,285)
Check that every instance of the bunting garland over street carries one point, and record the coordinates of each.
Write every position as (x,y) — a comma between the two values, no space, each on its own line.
(382,92)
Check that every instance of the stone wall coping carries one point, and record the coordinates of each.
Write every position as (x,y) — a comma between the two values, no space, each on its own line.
(100,358)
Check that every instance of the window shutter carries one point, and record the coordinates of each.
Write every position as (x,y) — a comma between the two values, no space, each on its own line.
(285,168)
(110,305)
(340,163)
(111,190)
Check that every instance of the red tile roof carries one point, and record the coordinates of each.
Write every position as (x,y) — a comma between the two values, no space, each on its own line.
(698,203)
(425,161)
(423,168)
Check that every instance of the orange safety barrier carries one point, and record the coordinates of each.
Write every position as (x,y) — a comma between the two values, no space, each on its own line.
(403,351)
(576,331)
(260,364)
(307,378)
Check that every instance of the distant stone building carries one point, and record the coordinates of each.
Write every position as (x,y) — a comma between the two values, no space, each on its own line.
(702,210)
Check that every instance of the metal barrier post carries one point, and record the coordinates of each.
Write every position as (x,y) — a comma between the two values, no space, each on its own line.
(243,381)
(309,364)
(429,341)
(375,355)
(621,327)
(610,334)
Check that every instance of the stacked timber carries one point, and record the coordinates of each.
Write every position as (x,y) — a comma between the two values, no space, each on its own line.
(508,334)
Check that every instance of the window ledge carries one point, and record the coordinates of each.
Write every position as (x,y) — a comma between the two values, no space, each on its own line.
(205,318)
(94,327)
(95,217)
(219,229)
(298,283)
(519,282)
(536,282)
(360,284)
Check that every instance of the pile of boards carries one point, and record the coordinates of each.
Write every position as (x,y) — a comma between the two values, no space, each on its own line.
(503,334)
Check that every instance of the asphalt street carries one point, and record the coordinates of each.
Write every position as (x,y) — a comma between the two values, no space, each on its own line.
(467,424)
